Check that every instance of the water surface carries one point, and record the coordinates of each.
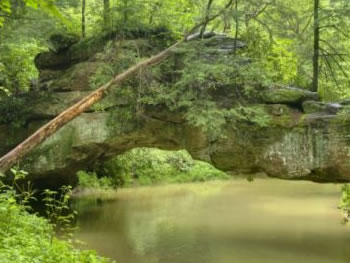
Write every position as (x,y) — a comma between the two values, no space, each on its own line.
(266,221)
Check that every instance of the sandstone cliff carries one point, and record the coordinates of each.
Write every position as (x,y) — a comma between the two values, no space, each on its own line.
(282,131)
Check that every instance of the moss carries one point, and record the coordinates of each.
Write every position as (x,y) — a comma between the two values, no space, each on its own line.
(76,78)
(86,48)
(314,106)
(288,95)
(50,156)
(61,41)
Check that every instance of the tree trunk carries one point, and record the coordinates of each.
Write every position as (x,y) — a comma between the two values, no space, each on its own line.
(237,26)
(126,11)
(210,2)
(83,27)
(316,46)
(106,13)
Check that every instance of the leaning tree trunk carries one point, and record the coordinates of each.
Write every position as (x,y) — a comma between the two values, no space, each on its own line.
(210,2)
(11,158)
(237,26)
(316,46)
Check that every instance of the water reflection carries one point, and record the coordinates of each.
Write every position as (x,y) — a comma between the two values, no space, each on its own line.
(267,221)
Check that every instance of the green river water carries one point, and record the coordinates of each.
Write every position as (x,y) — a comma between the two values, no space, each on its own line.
(265,221)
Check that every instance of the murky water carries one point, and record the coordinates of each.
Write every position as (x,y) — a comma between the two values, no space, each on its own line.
(266,221)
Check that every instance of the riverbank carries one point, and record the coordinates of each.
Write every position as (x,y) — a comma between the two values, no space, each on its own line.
(110,193)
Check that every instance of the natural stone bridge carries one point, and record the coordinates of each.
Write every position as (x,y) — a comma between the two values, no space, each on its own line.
(305,140)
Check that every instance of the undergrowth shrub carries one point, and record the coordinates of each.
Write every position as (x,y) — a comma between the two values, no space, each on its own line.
(27,238)
(90,180)
(345,202)
(13,110)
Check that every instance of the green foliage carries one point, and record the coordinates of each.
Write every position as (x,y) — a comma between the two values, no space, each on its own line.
(277,60)
(255,114)
(344,114)
(278,52)
(5,8)
(143,166)
(345,202)
(46,6)
(115,58)
(189,84)
(26,237)
(283,63)
(90,180)
(13,110)
(17,68)
(57,209)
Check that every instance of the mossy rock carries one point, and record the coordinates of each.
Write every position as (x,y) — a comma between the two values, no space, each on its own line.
(52,60)
(314,106)
(76,78)
(289,95)
(48,74)
(61,42)
(317,106)
(54,103)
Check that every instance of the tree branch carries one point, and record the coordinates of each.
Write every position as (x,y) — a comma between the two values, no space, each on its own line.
(230,2)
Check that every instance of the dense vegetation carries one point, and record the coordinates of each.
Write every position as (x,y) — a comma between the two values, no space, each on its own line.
(26,237)
(144,166)
(345,202)
(283,49)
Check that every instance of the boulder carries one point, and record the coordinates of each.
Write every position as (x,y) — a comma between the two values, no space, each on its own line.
(197,35)
(61,42)
(225,44)
(317,106)
(51,60)
(345,102)
(75,78)
(288,95)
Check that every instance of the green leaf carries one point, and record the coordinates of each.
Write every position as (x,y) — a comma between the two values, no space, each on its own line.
(5,6)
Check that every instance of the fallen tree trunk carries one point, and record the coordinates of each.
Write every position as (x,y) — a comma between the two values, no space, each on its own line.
(11,158)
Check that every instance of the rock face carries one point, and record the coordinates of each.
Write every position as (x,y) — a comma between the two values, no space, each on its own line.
(288,95)
(304,139)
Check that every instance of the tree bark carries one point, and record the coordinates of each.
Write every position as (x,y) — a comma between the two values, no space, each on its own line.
(237,26)
(11,158)
(205,22)
(207,14)
(316,46)
(106,13)
(83,27)
(126,11)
